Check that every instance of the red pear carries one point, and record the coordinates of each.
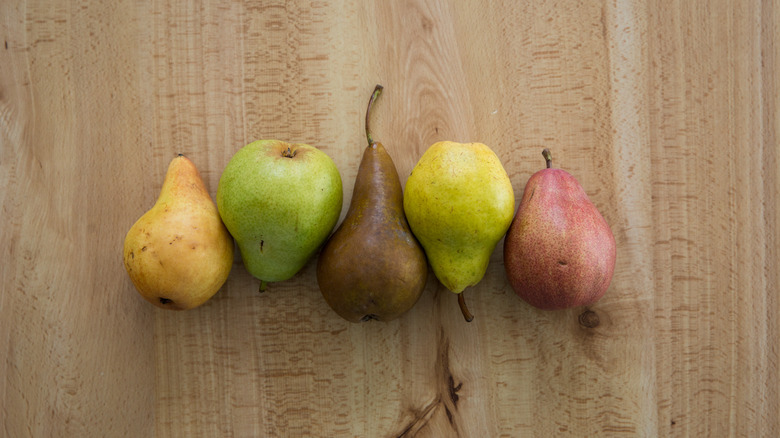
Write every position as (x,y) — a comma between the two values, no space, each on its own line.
(559,251)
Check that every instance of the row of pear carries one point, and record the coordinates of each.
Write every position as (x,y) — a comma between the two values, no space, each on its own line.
(280,203)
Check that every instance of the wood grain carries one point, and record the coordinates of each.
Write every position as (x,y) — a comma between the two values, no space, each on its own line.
(666,112)
(75,343)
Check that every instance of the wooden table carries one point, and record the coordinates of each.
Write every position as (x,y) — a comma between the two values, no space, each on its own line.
(666,112)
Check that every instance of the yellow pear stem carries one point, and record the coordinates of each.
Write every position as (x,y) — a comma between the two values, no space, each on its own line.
(465,310)
(374,96)
(547,157)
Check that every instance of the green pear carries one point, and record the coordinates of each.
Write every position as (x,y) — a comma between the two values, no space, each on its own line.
(559,251)
(372,268)
(280,201)
(179,254)
(459,203)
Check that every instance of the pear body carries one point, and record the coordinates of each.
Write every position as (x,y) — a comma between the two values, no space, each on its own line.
(280,201)
(372,267)
(459,203)
(179,254)
(559,252)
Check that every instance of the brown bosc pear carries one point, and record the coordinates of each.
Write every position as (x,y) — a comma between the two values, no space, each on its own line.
(559,251)
(372,267)
(179,253)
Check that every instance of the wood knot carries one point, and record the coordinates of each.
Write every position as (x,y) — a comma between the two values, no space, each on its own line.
(589,319)
(453,390)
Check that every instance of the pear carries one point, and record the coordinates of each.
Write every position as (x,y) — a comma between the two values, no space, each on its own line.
(372,267)
(459,203)
(179,254)
(280,201)
(559,252)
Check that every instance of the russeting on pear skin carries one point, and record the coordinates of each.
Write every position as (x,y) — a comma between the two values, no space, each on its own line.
(179,254)
(459,203)
(372,267)
(280,201)
(559,252)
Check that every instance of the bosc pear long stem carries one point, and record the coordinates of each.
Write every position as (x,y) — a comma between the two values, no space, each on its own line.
(374,96)
(465,310)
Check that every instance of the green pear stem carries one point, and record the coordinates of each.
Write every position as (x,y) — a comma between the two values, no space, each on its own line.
(547,157)
(374,96)
(263,286)
(465,310)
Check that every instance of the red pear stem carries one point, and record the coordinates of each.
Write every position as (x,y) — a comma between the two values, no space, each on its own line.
(374,96)
(547,157)
(465,310)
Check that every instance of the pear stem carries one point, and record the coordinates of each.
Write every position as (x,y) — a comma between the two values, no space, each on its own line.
(547,157)
(263,286)
(374,96)
(465,310)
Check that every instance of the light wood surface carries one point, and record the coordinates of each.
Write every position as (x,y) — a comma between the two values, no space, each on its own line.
(666,112)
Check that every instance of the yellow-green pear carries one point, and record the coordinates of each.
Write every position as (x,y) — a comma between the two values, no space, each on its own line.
(459,203)
(280,201)
(179,254)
